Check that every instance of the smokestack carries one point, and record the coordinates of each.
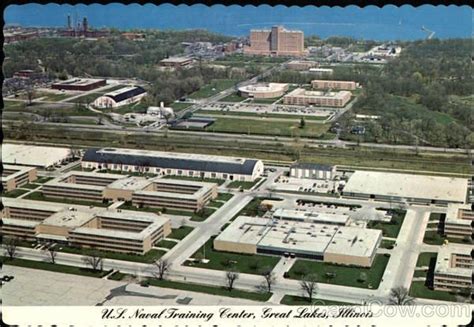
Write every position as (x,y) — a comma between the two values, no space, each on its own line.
(84,24)
(162,104)
(68,22)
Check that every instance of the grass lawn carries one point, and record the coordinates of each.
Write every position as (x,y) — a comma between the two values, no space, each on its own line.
(180,233)
(419,289)
(426,258)
(149,257)
(420,273)
(224,196)
(299,300)
(178,106)
(54,267)
(44,179)
(253,208)
(9,105)
(30,186)
(88,98)
(234,97)
(166,244)
(249,264)
(55,96)
(14,193)
(266,101)
(392,228)
(435,238)
(213,290)
(117,276)
(40,197)
(259,114)
(437,216)
(195,216)
(344,275)
(196,179)
(387,244)
(244,185)
(214,87)
(264,127)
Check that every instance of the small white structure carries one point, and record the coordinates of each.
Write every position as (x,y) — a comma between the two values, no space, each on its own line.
(312,171)
(120,97)
(160,111)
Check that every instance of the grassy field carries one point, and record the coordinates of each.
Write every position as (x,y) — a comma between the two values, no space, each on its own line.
(196,179)
(180,233)
(299,300)
(437,216)
(40,197)
(224,197)
(54,267)
(387,244)
(178,106)
(244,185)
(343,275)
(419,289)
(166,244)
(216,86)
(234,97)
(14,193)
(88,98)
(426,258)
(244,263)
(436,238)
(263,127)
(30,186)
(392,228)
(213,290)
(149,257)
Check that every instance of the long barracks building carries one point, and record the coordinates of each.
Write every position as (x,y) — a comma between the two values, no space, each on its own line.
(169,163)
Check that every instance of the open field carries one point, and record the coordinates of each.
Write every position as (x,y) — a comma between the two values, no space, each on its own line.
(277,128)
(244,185)
(391,228)
(14,193)
(216,86)
(299,300)
(180,233)
(149,257)
(342,275)
(253,115)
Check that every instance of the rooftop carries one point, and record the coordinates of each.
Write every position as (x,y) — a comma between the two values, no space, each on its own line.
(264,87)
(79,81)
(300,92)
(32,155)
(14,171)
(454,214)
(311,215)
(175,59)
(444,264)
(130,183)
(408,186)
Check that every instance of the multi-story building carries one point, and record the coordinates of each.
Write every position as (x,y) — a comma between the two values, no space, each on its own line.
(453,270)
(169,163)
(176,62)
(312,171)
(335,85)
(459,220)
(276,41)
(104,229)
(302,97)
(301,64)
(79,84)
(16,176)
(263,90)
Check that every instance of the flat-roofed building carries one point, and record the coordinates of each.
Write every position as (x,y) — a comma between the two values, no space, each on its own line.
(410,188)
(335,85)
(301,64)
(302,97)
(263,90)
(329,243)
(453,269)
(32,155)
(276,41)
(312,216)
(14,176)
(312,171)
(459,220)
(321,71)
(176,62)
(80,226)
(120,97)
(169,163)
(79,84)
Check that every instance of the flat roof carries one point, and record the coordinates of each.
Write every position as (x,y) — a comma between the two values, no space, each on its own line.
(32,155)
(311,215)
(130,183)
(69,218)
(453,214)
(408,186)
(176,59)
(444,260)
(300,92)
(301,237)
(264,87)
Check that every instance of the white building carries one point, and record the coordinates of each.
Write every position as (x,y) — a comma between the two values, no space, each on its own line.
(120,97)
(312,171)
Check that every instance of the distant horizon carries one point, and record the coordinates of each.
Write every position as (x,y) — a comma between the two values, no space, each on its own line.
(388,23)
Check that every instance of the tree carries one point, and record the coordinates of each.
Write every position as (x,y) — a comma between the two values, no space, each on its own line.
(30,94)
(362,277)
(162,266)
(10,247)
(302,122)
(94,259)
(231,276)
(308,285)
(52,253)
(269,279)
(399,296)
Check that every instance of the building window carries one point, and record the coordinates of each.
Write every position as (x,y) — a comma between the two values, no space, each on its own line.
(180,172)
(168,171)
(190,173)
(224,176)
(213,175)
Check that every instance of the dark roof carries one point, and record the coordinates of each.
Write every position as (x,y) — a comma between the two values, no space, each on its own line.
(315,166)
(137,90)
(244,168)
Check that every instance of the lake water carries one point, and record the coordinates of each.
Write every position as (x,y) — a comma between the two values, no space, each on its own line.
(387,23)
